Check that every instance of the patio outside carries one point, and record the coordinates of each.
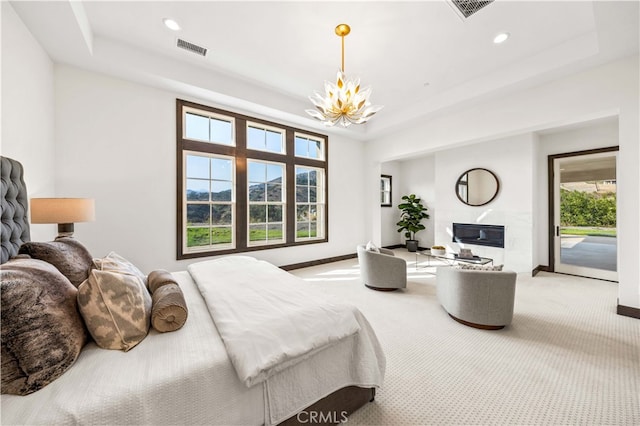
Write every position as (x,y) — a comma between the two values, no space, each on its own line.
(588,224)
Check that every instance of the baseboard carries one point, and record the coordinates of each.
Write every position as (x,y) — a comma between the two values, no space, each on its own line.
(540,268)
(318,262)
(628,311)
(395,246)
(335,259)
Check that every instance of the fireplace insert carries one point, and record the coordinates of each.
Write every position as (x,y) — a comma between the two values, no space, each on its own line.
(482,235)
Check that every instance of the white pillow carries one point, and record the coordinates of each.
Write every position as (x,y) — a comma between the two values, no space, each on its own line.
(372,247)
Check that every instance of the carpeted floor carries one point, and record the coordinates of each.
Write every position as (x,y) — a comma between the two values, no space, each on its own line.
(567,358)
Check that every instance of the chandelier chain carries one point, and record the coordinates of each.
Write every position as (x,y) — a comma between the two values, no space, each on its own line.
(342,53)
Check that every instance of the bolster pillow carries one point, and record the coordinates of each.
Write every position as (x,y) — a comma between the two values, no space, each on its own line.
(157,279)
(169,310)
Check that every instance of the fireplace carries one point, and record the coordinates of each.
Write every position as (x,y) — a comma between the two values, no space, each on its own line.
(481,235)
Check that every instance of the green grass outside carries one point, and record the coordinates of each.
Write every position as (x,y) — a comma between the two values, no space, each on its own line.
(276,234)
(262,235)
(305,234)
(593,232)
(200,236)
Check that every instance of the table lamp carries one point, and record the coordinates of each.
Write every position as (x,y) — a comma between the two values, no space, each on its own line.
(63,211)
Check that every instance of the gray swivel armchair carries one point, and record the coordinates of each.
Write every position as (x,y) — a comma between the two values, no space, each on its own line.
(480,299)
(382,271)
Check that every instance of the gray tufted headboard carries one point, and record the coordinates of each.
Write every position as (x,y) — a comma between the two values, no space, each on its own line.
(15,205)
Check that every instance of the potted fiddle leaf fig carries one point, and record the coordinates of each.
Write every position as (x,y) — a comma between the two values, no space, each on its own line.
(411,216)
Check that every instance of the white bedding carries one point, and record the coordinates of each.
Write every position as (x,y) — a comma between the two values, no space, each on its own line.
(186,377)
(357,360)
(268,319)
(183,377)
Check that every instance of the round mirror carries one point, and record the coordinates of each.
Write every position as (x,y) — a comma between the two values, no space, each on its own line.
(477,187)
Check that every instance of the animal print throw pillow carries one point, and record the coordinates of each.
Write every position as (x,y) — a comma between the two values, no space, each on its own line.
(116,263)
(42,331)
(115,303)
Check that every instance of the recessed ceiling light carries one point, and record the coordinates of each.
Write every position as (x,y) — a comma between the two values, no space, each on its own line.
(171,24)
(501,38)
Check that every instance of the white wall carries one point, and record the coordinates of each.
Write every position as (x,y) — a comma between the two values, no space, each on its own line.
(538,217)
(27,110)
(511,160)
(391,215)
(597,134)
(610,89)
(418,177)
(116,142)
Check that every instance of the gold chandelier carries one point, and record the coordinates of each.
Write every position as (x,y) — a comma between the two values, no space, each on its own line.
(343,102)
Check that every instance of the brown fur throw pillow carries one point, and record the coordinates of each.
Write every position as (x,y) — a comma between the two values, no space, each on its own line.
(42,331)
(67,254)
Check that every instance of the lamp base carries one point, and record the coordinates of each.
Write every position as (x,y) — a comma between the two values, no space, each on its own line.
(65,230)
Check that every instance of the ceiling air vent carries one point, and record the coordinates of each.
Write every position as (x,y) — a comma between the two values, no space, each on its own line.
(202,51)
(467,8)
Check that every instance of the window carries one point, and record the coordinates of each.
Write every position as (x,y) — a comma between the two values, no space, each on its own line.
(265,139)
(247,184)
(266,202)
(309,203)
(209,201)
(309,147)
(208,127)
(385,191)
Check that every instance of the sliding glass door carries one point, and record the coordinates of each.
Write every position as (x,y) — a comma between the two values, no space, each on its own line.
(585,205)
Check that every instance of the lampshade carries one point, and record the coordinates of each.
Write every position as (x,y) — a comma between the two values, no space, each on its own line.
(63,211)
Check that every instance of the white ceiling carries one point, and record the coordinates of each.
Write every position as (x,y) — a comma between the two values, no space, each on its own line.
(419,57)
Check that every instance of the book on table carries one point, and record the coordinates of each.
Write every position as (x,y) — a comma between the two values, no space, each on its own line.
(466,254)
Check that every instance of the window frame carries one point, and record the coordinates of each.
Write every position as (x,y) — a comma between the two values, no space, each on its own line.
(267,203)
(210,203)
(211,115)
(267,128)
(309,137)
(320,203)
(384,179)
(242,154)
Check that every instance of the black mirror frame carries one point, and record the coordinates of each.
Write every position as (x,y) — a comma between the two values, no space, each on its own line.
(495,194)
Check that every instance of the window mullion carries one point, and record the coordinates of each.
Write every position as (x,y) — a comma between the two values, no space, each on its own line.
(290,217)
(242,196)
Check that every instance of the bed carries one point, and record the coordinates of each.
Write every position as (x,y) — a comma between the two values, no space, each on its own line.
(188,376)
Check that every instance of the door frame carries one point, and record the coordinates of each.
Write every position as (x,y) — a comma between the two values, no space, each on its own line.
(551,192)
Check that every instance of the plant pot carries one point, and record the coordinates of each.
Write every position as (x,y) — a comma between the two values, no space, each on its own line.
(412,245)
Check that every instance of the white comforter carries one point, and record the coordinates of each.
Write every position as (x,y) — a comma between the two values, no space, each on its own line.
(268,319)
(178,378)
(186,377)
